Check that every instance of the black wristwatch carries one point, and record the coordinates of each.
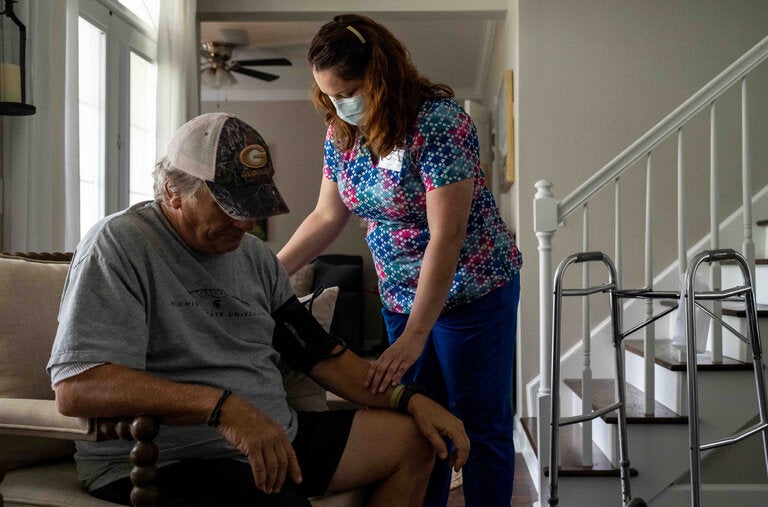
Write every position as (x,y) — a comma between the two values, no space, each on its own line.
(408,391)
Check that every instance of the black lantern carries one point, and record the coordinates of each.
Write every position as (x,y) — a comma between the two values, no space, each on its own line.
(13,45)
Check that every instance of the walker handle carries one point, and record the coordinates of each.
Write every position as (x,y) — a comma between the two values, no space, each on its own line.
(589,256)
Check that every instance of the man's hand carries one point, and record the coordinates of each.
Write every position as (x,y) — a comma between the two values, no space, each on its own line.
(263,441)
(435,422)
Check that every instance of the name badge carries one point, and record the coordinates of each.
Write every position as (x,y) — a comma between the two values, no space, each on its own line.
(393,161)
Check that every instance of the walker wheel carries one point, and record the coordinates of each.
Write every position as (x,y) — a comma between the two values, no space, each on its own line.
(637,502)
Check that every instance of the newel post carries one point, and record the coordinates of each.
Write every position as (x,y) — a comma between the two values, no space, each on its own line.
(544,225)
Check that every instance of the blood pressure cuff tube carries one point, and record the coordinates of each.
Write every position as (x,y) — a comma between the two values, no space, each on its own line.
(300,339)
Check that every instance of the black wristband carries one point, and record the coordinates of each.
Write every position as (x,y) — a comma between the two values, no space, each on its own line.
(408,391)
(216,414)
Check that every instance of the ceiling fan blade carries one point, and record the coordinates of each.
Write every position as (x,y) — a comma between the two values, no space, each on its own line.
(255,73)
(266,61)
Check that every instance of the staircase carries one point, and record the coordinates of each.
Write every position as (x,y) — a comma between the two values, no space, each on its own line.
(657,404)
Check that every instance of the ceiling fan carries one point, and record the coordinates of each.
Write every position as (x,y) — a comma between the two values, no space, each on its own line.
(218,68)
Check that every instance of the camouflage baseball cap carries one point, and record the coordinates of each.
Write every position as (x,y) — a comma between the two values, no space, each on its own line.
(233,160)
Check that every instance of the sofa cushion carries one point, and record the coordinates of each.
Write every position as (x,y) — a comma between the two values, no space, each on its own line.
(302,280)
(323,306)
(49,484)
(30,292)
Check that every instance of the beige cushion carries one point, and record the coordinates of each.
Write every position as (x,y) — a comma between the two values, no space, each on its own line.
(302,280)
(30,292)
(53,483)
(303,393)
(323,306)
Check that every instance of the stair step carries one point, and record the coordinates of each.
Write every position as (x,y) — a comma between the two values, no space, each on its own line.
(674,359)
(739,310)
(570,453)
(732,308)
(732,262)
(731,275)
(604,394)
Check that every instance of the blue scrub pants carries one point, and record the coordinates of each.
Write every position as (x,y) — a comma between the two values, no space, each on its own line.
(467,367)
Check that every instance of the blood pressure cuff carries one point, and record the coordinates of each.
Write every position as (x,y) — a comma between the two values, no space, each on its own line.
(300,339)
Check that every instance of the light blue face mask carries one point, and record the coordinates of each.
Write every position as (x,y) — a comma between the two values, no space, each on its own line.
(350,109)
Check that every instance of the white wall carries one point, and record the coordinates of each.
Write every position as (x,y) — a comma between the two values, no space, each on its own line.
(592,77)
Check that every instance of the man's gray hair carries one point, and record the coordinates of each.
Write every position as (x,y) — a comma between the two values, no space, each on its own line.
(179,181)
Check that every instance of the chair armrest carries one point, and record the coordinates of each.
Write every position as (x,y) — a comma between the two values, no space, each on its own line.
(40,418)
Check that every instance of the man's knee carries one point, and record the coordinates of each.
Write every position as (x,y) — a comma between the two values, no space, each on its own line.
(418,450)
(383,445)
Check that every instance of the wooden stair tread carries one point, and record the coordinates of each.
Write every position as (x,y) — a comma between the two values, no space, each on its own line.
(570,453)
(733,309)
(731,262)
(603,394)
(674,359)
(738,310)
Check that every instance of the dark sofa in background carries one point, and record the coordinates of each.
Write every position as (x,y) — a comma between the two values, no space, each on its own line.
(345,272)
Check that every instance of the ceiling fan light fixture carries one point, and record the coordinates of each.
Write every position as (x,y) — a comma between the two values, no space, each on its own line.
(223,77)
(207,77)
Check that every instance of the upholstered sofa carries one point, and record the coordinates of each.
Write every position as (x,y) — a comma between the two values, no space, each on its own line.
(36,442)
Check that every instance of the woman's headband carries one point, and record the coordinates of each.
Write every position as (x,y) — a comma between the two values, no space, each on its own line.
(357,34)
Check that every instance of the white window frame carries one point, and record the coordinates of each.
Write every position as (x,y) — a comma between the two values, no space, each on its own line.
(124,33)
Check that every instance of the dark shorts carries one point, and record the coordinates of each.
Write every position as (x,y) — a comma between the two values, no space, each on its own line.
(319,444)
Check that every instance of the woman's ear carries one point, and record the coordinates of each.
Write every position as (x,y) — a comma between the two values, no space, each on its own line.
(172,197)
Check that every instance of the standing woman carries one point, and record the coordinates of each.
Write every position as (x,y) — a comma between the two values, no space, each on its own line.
(402,154)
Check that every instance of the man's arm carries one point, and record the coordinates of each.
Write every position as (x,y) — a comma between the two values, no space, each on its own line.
(345,375)
(110,390)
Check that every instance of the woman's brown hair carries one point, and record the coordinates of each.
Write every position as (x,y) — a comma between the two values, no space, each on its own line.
(394,90)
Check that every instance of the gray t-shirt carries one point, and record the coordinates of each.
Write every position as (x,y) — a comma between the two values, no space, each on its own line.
(136,295)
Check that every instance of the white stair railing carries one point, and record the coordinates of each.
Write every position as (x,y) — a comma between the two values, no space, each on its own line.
(715,274)
(548,213)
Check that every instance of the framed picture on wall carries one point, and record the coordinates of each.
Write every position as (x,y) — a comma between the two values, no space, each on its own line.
(505,130)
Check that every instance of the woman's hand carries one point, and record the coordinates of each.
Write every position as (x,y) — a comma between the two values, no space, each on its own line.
(389,368)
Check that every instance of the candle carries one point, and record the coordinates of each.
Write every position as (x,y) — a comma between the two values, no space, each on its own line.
(10,82)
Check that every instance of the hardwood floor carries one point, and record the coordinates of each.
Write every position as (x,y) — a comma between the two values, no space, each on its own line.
(524,492)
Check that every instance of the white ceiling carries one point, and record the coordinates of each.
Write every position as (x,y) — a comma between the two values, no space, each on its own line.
(451,47)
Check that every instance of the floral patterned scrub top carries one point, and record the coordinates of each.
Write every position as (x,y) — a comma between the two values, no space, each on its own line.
(391,195)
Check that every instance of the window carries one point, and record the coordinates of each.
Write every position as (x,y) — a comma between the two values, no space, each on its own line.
(142,133)
(145,10)
(117,78)
(92,109)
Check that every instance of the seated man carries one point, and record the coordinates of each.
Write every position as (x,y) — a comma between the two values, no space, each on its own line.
(171,309)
